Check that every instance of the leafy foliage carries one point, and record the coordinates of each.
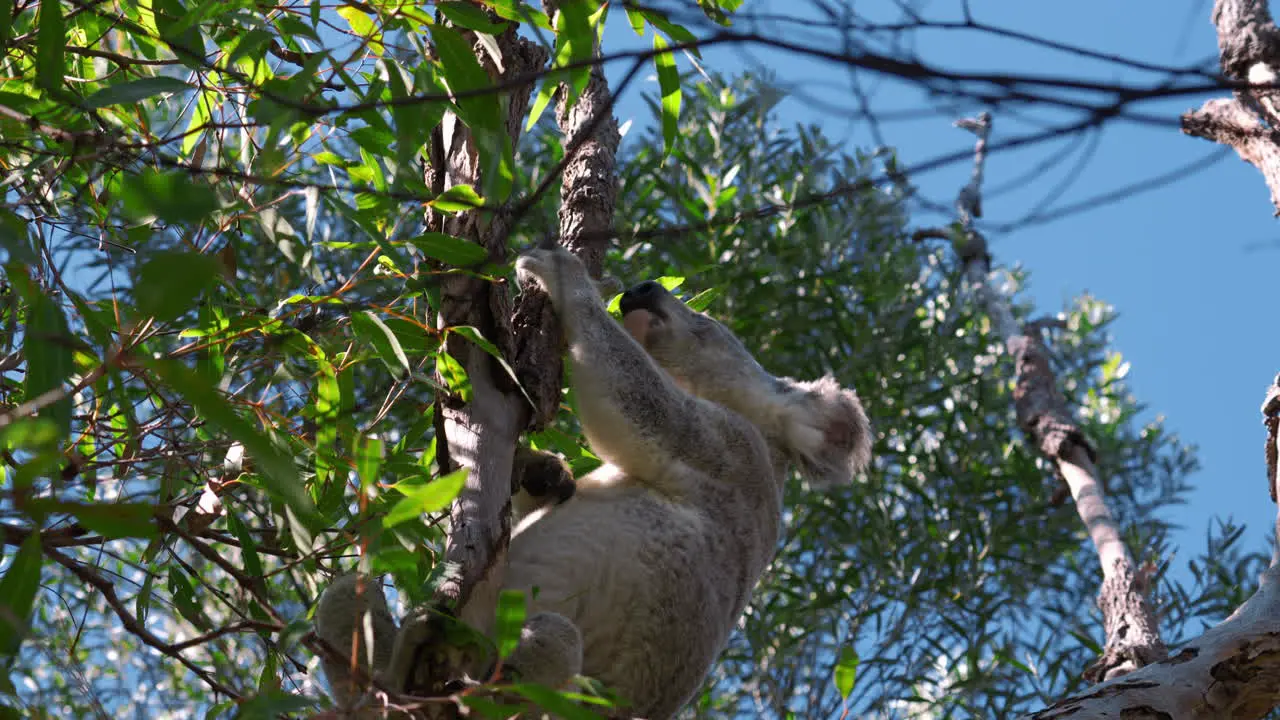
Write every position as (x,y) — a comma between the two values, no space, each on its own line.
(217,356)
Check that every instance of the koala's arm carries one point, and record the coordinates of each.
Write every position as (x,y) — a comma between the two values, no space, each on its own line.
(632,413)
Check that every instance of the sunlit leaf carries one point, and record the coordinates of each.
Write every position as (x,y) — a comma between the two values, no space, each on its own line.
(370,328)
(459,198)
(846,671)
(425,499)
(669,84)
(363,25)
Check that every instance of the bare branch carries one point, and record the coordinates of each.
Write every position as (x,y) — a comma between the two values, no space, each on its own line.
(1231,671)
(1249,47)
(1133,635)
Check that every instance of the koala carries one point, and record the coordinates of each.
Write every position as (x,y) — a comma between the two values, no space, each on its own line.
(638,576)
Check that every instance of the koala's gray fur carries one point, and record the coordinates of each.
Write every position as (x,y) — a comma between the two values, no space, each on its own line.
(638,578)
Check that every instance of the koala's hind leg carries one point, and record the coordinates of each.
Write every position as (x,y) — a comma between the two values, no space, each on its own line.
(353,609)
(537,479)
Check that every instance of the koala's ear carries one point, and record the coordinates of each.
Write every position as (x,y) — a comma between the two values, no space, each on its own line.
(828,434)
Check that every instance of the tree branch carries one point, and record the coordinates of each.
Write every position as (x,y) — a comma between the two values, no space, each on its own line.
(1231,671)
(1132,631)
(1249,52)
(480,435)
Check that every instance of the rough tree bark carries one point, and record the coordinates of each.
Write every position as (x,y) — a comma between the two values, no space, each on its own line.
(588,191)
(1249,52)
(1231,671)
(482,435)
(1132,631)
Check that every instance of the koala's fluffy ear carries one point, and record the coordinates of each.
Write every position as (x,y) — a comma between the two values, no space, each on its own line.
(827,432)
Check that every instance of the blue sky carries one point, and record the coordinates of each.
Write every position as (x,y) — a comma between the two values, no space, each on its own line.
(1188,265)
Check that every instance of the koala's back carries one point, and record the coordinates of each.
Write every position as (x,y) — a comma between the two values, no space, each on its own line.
(655,586)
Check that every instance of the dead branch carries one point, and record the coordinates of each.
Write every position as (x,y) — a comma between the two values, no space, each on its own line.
(1132,631)
(1249,52)
(1231,671)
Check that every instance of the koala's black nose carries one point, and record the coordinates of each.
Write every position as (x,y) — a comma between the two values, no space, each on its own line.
(642,296)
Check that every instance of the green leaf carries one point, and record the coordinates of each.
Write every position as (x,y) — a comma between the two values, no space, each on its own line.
(370,328)
(368,452)
(511,615)
(554,702)
(473,334)
(487,708)
(18,590)
(177,26)
(363,25)
(466,15)
(424,499)
(669,84)
(50,42)
(134,90)
(577,32)
(170,281)
(170,196)
(676,32)
(635,18)
(846,671)
(463,73)
(47,345)
(201,114)
(248,546)
(543,99)
(278,471)
(6,28)
(454,376)
(703,300)
(459,198)
(115,520)
(451,250)
(519,12)
(184,597)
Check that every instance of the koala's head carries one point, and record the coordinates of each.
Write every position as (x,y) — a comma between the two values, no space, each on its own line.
(702,355)
(819,426)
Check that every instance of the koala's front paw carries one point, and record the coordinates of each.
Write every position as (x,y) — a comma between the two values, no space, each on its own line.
(557,271)
(544,476)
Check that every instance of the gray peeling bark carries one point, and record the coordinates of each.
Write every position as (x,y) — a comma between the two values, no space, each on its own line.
(1249,52)
(1132,632)
(481,435)
(1231,671)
